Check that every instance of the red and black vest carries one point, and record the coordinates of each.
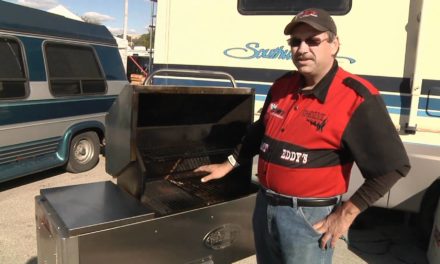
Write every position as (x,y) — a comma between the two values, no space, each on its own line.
(301,153)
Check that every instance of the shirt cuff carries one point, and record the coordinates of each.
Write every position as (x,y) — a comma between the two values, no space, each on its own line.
(233,161)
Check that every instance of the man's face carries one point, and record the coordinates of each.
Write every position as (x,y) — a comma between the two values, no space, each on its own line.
(312,54)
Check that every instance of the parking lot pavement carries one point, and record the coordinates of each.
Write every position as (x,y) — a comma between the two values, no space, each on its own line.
(379,237)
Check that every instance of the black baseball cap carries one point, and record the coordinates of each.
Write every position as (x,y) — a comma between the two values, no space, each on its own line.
(317,18)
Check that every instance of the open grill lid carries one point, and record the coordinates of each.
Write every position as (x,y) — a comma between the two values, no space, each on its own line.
(168,123)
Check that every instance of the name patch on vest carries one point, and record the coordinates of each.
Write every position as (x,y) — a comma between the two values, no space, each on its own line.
(294,156)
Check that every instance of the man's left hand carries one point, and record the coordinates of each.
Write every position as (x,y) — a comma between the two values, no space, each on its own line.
(337,223)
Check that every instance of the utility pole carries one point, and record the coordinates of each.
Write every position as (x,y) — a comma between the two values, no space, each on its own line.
(151,29)
(124,36)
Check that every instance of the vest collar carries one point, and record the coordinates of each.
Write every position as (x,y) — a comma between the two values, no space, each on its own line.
(321,88)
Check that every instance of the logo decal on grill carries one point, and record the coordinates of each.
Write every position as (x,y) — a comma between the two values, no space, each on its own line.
(222,237)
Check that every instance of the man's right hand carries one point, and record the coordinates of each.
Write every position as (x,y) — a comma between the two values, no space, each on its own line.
(216,171)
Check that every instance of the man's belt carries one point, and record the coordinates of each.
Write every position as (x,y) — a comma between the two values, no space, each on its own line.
(278,200)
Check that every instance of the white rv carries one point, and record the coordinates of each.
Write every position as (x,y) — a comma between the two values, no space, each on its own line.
(392,44)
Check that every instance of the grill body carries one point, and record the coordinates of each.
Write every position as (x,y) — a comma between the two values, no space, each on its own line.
(159,211)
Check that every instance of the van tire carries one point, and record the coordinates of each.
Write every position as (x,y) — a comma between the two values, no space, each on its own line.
(83,153)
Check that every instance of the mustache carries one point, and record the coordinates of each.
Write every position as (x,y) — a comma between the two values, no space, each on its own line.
(302,57)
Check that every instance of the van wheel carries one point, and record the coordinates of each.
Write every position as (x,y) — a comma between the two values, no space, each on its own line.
(84,152)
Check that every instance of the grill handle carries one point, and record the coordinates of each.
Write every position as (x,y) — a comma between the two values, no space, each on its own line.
(180,72)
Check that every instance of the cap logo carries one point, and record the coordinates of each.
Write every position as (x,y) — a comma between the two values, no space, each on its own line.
(307,13)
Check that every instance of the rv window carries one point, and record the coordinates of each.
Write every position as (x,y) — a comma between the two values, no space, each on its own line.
(291,7)
(12,73)
(73,70)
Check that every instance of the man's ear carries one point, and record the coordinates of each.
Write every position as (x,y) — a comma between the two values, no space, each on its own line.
(335,46)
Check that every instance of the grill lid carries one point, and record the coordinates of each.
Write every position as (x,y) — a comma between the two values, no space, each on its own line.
(160,123)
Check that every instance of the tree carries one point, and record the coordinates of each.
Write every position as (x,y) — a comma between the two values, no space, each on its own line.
(143,40)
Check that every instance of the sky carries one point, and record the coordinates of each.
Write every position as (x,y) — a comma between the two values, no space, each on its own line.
(108,12)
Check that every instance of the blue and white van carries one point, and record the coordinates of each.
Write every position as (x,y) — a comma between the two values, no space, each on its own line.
(58,78)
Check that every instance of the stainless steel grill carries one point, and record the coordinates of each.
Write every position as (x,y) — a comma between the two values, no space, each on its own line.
(159,211)
(172,131)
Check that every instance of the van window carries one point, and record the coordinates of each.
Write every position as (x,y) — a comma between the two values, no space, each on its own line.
(291,7)
(12,74)
(73,70)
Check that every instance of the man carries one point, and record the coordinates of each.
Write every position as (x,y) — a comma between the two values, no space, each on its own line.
(315,123)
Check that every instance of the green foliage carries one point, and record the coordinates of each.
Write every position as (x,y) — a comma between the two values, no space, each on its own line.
(144,40)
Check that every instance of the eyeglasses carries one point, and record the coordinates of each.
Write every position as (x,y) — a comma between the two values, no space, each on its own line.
(311,42)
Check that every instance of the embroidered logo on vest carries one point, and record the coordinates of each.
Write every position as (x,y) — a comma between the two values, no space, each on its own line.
(264,147)
(274,110)
(316,119)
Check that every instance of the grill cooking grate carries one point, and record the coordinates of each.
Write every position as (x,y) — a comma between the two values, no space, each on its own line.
(211,192)
(182,191)
(164,198)
(173,186)
(164,161)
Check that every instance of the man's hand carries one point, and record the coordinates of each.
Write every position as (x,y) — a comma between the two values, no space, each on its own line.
(337,223)
(216,171)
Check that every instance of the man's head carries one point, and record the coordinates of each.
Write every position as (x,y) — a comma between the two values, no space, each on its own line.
(314,42)
(317,18)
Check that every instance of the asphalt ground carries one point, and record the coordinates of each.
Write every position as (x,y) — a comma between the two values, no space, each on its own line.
(379,236)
